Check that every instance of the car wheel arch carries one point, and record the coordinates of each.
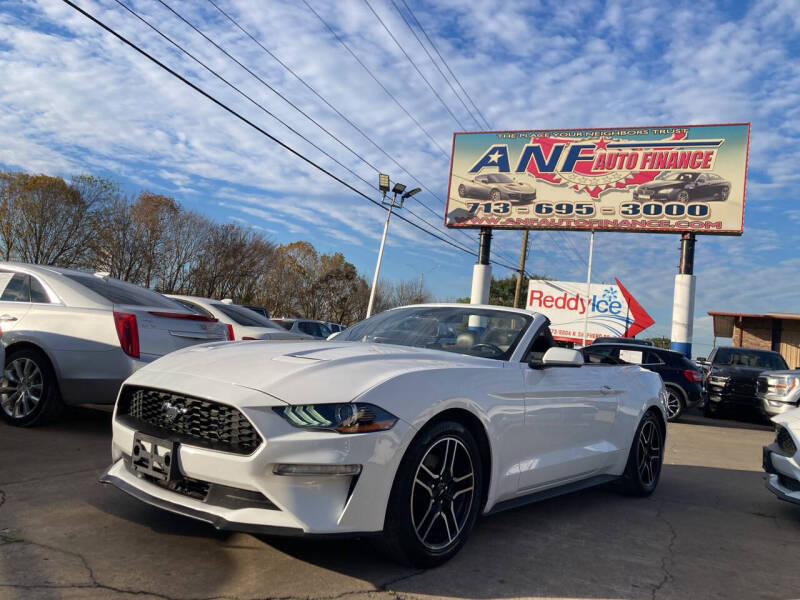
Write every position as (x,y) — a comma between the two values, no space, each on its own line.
(26,345)
(477,428)
(680,391)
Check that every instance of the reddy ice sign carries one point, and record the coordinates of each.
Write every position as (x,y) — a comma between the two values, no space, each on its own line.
(650,179)
(612,310)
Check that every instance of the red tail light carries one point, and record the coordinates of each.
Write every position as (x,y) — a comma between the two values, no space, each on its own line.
(187,316)
(128,333)
(693,376)
(248,338)
(230,332)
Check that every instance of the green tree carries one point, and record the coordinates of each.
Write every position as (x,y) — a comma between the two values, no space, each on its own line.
(501,291)
(660,342)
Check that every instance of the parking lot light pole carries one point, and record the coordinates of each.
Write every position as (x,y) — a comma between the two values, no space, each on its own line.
(399,188)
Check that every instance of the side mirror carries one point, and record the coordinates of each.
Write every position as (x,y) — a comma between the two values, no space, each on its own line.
(562,357)
(333,335)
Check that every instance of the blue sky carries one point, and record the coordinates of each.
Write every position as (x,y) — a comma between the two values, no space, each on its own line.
(73,99)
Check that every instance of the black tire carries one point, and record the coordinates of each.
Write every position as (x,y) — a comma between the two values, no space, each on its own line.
(495,195)
(683,196)
(676,403)
(711,409)
(462,190)
(645,457)
(31,370)
(416,505)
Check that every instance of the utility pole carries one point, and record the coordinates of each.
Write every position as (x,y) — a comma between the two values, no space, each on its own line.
(399,188)
(523,254)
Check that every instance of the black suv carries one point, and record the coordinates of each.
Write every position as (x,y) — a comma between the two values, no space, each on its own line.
(733,374)
(681,376)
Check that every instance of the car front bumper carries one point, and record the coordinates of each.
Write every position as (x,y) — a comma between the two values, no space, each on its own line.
(287,504)
(783,474)
(772,406)
(721,395)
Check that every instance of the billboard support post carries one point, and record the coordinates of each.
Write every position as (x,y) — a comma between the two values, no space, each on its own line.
(588,290)
(683,299)
(523,254)
(482,271)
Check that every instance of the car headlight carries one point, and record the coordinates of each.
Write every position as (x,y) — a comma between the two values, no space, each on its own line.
(782,384)
(350,417)
(665,191)
(717,380)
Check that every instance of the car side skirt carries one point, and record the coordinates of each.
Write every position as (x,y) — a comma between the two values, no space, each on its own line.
(568,488)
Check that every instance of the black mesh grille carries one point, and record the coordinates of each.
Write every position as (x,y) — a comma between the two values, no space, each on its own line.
(785,442)
(742,387)
(186,419)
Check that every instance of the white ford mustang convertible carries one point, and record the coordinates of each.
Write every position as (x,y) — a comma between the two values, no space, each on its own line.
(411,424)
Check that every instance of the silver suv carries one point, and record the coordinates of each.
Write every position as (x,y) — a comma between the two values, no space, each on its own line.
(778,391)
(72,337)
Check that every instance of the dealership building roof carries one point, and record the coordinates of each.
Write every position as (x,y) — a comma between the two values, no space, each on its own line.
(768,331)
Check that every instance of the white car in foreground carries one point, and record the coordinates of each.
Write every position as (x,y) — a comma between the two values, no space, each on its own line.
(388,429)
(782,460)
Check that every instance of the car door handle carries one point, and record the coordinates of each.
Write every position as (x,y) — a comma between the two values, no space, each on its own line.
(7,318)
(607,390)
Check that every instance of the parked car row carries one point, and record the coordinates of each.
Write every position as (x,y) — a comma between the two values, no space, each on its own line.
(72,337)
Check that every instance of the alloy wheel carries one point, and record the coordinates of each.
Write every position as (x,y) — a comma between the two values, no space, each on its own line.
(442,493)
(673,404)
(22,388)
(650,451)
(683,196)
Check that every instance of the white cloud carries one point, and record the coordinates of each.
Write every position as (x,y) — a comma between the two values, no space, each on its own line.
(74,99)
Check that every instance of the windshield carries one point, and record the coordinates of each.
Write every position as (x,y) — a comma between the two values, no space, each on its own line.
(243,316)
(499,179)
(476,332)
(770,361)
(119,292)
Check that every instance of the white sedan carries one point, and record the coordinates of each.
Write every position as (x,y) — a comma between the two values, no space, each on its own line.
(412,424)
(243,323)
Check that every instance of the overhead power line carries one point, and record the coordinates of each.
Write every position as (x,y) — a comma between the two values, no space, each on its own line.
(435,64)
(371,74)
(444,62)
(257,128)
(413,64)
(334,109)
(284,98)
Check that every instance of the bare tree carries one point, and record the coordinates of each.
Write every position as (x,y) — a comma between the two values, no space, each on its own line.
(51,222)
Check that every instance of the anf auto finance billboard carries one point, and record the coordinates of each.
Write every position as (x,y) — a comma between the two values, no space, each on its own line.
(612,310)
(646,179)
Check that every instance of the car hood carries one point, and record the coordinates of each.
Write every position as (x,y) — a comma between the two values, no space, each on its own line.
(737,371)
(794,372)
(790,419)
(304,372)
(660,185)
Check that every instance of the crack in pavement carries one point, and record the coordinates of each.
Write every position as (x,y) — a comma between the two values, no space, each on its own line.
(667,558)
(51,476)
(95,584)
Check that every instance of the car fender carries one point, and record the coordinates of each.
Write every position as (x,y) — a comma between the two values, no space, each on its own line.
(493,395)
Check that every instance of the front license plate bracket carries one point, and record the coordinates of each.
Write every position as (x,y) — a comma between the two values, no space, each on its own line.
(155,457)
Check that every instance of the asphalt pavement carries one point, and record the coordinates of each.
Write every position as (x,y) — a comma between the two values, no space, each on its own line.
(711,530)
